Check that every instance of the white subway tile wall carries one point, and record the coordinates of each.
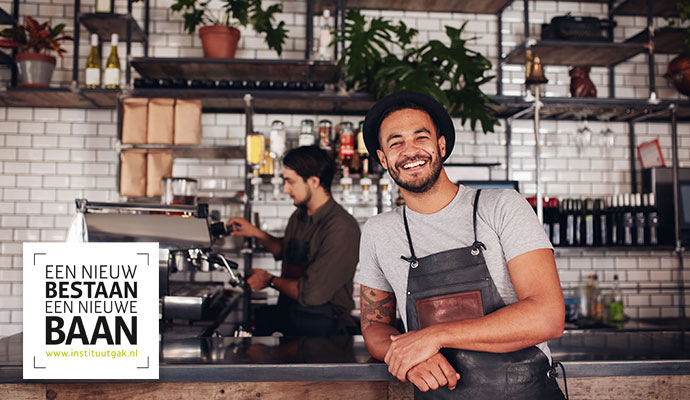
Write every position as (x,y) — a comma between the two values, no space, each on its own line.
(49,157)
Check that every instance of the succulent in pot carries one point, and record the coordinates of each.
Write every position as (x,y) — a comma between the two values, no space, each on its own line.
(217,29)
(35,42)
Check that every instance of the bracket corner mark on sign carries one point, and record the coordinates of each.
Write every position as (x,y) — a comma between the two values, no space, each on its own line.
(147,257)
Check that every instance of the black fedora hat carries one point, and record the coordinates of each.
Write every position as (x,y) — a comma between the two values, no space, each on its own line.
(400,100)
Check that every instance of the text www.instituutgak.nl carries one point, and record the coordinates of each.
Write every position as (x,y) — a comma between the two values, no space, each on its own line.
(93,353)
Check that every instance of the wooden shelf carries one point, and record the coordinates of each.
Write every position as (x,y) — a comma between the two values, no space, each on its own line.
(235,69)
(615,110)
(571,53)
(660,8)
(459,6)
(105,24)
(270,101)
(193,151)
(667,40)
(53,97)
(5,18)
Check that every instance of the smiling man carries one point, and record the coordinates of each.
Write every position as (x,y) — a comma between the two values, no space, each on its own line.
(319,253)
(471,273)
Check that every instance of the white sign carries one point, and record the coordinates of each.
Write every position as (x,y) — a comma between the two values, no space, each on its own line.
(90,311)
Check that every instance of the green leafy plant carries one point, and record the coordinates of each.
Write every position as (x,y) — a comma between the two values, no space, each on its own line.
(33,37)
(380,59)
(235,12)
(683,7)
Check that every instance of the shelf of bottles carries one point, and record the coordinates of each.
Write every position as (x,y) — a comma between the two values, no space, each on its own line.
(357,187)
(620,222)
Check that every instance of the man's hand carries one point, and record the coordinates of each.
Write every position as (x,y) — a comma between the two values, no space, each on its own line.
(259,279)
(242,227)
(433,374)
(408,350)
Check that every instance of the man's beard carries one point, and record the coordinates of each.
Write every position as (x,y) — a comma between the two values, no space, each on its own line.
(303,203)
(416,186)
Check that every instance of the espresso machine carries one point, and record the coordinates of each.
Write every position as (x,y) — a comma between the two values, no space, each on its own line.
(186,250)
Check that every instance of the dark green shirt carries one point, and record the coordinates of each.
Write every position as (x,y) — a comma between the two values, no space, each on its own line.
(331,258)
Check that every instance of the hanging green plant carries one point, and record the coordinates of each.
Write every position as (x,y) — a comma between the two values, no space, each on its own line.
(380,59)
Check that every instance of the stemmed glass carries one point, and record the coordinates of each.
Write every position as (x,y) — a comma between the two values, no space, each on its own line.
(583,135)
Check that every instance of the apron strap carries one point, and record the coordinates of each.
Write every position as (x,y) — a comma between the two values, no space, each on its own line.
(413,258)
(477,244)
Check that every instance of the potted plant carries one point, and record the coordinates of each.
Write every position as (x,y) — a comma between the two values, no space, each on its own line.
(380,59)
(218,34)
(678,72)
(34,42)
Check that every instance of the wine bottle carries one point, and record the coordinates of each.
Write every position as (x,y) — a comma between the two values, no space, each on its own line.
(569,223)
(579,219)
(93,65)
(112,66)
(600,225)
(588,223)
(612,220)
(556,208)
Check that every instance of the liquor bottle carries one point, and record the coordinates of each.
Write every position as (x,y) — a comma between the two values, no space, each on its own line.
(628,222)
(652,222)
(104,6)
(588,223)
(616,314)
(325,135)
(93,65)
(325,37)
(600,231)
(306,133)
(278,140)
(347,144)
(112,66)
(555,221)
(255,150)
(267,161)
(638,221)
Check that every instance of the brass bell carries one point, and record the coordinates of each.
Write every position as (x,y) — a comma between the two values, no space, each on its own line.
(536,72)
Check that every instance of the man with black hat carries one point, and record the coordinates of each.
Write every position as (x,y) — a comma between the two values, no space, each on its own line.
(472,272)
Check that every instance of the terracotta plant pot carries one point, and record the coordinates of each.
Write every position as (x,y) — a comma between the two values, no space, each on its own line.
(35,69)
(678,73)
(219,41)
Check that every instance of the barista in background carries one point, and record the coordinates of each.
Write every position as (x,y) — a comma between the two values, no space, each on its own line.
(320,251)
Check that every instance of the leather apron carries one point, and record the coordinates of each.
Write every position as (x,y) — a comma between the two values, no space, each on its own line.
(454,285)
(296,319)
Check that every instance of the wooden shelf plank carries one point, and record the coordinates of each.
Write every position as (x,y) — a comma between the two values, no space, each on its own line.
(667,40)
(660,8)
(194,151)
(105,24)
(460,6)
(58,97)
(235,69)
(570,53)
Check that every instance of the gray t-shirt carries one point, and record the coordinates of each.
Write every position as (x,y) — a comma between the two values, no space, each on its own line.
(506,224)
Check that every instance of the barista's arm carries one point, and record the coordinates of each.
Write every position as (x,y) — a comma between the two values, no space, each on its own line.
(538,316)
(260,279)
(242,227)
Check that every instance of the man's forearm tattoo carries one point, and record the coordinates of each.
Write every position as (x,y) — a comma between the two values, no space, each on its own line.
(382,311)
